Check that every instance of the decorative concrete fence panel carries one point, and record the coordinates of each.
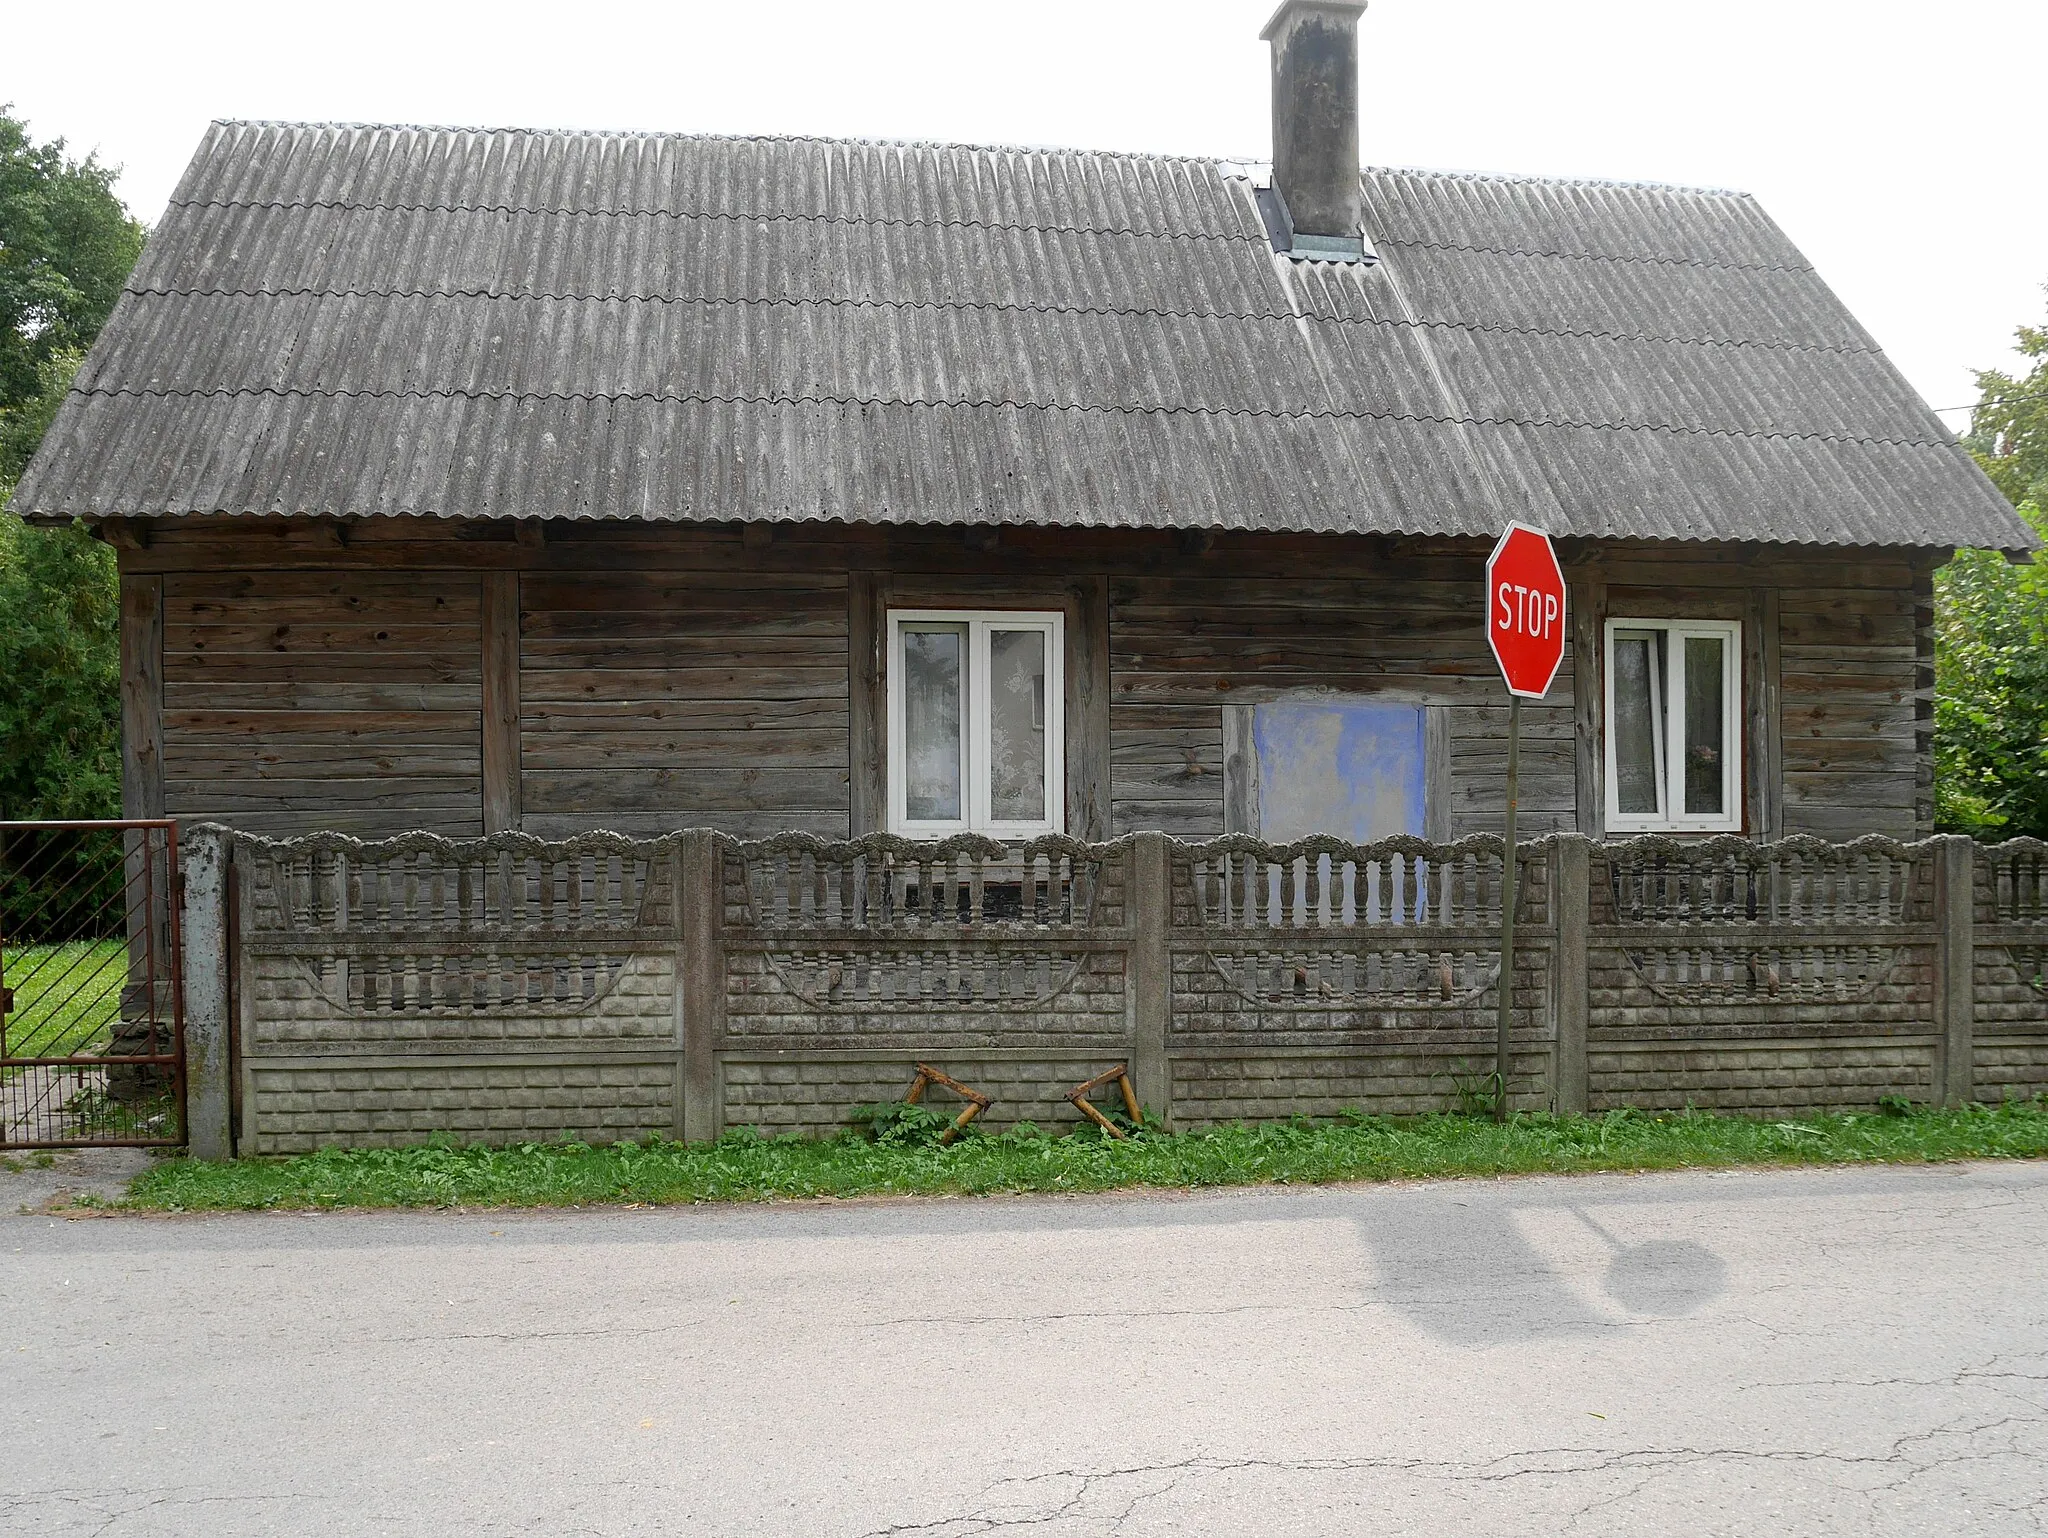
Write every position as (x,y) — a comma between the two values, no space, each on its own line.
(1319,975)
(508,988)
(1752,977)
(2009,982)
(501,990)
(845,964)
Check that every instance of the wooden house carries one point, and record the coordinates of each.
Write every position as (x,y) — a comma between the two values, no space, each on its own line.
(469,480)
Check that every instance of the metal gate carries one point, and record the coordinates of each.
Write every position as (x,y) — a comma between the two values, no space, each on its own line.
(92,1029)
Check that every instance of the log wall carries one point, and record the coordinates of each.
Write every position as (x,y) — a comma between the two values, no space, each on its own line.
(347,699)
(665,699)
(365,678)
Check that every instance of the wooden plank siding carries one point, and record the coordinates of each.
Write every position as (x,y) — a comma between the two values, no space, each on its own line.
(672,699)
(340,699)
(672,677)
(1848,684)
(1166,768)
(1845,655)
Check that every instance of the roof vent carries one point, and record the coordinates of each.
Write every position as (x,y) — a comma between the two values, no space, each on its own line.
(1312,210)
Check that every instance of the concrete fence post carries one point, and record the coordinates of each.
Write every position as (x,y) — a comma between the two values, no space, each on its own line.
(203,926)
(1571,894)
(700,981)
(1955,960)
(1150,979)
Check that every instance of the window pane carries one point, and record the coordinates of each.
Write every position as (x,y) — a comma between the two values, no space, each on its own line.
(1016,725)
(1705,725)
(932,668)
(1638,719)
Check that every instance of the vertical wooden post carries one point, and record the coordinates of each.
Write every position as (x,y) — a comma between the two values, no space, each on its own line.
(1589,698)
(1149,897)
(1087,723)
(1763,723)
(866,710)
(1438,826)
(1240,770)
(501,809)
(1955,960)
(1571,899)
(142,696)
(142,792)
(700,980)
(1510,884)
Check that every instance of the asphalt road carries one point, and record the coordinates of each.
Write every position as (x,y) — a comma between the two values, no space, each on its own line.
(1803,1353)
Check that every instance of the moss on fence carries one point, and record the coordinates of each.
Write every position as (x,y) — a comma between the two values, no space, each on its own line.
(746,1167)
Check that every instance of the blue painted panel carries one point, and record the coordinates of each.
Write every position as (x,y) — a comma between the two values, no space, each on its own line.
(1352,769)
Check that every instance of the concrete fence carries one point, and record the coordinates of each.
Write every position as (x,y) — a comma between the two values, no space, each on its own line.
(507,988)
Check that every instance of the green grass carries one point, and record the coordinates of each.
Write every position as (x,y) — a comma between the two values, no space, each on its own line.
(66,997)
(746,1167)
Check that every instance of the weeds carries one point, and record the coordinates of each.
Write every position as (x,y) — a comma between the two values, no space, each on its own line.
(1476,1094)
(896,1152)
(902,1124)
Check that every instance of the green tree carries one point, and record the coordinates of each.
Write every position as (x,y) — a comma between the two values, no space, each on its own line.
(2009,427)
(1991,628)
(66,247)
(60,674)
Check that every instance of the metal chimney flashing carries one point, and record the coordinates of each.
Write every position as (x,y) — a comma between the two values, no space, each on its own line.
(1331,248)
(1289,242)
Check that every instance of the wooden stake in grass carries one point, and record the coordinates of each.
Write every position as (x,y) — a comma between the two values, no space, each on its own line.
(977,1102)
(1121,1077)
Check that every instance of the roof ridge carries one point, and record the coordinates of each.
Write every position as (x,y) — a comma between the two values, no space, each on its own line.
(731,215)
(869,141)
(1536,179)
(1239,163)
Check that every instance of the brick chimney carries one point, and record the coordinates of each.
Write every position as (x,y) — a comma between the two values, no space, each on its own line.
(1312,210)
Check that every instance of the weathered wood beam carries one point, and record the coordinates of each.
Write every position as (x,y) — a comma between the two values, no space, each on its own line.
(142,696)
(866,709)
(1087,724)
(500,642)
(1588,589)
(1763,717)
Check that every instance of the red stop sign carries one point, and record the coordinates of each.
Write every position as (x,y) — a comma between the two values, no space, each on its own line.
(1525,610)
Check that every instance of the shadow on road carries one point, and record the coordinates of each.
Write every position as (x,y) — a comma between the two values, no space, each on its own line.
(1467,1274)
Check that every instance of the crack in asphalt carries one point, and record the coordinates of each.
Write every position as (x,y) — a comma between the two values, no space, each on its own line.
(38,1500)
(979,1518)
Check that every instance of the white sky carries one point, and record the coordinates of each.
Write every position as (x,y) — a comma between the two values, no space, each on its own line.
(1898,144)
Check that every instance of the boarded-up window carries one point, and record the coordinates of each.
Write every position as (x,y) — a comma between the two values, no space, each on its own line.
(1356,769)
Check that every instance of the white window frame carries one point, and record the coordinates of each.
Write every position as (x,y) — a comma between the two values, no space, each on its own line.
(976,790)
(1671,738)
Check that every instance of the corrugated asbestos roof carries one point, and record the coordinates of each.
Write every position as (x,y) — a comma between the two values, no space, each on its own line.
(362,320)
